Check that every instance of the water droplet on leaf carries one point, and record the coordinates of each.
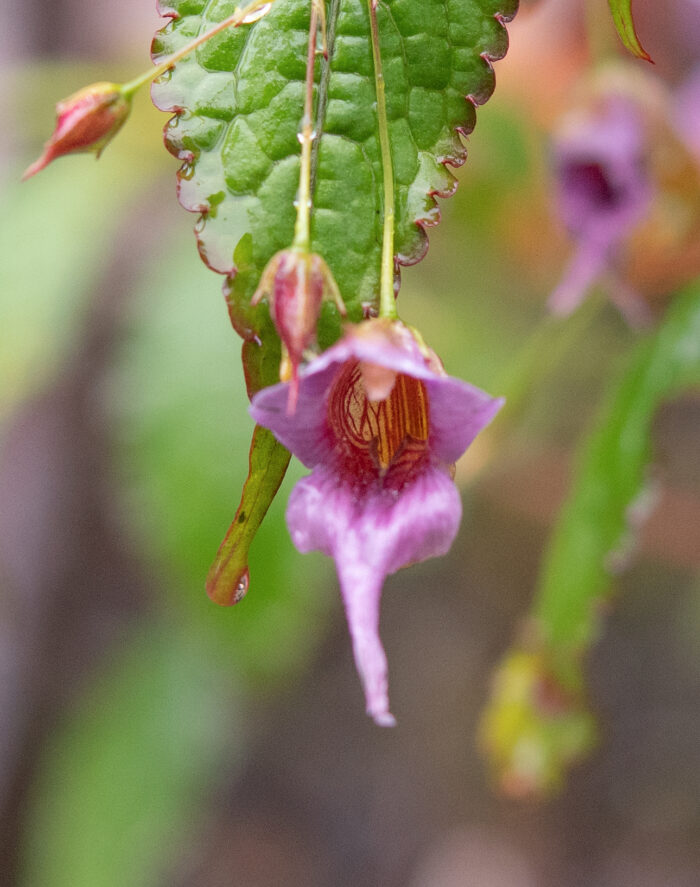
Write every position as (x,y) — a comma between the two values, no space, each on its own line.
(241,587)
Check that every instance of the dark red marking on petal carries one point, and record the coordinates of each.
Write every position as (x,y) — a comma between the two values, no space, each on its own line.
(382,441)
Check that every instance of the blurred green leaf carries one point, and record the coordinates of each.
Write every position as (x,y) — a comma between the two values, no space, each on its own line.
(622,16)
(126,771)
(533,729)
(536,723)
(606,502)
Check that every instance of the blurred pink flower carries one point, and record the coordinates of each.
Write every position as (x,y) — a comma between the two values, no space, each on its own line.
(381,425)
(602,191)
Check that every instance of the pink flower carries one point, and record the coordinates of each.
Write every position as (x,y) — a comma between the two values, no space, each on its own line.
(381,425)
(603,192)
(85,121)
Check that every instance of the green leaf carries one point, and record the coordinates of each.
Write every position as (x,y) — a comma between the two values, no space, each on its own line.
(238,102)
(229,576)
(622,16)
(596,527)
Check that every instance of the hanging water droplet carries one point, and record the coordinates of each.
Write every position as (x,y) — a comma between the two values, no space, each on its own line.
(186,171)
(302,136)
(241,587)
(256,14)
(201,222)
(164,77)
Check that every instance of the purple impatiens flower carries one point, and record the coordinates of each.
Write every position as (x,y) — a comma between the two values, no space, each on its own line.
(381,425)
(602,191)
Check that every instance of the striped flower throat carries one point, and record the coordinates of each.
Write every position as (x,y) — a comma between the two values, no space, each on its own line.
(382,440)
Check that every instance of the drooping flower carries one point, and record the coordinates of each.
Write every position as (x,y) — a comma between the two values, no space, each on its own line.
(603,190)
(85,121)
(381,425)
(296,281)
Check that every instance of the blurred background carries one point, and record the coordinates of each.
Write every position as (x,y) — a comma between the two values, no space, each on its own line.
(149,737)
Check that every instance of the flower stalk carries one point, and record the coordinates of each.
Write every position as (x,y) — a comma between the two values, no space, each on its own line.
(250,13)
(387,298)
(88,119)
(302,229)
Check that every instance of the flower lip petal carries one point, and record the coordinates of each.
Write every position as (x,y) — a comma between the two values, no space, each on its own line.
(369,538)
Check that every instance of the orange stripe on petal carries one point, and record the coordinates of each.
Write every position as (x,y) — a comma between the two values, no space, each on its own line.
(377,438)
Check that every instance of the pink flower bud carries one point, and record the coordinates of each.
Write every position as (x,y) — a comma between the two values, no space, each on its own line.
(295,283)
(85,121)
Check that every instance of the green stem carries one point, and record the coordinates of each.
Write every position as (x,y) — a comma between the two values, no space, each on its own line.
(233,21)
(302,235)
(387,298)
(539,356)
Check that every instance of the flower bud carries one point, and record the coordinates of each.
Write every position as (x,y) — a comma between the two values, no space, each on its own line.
(295,283)
(85,121)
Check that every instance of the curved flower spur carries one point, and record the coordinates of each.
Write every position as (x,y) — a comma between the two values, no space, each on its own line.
(380,424)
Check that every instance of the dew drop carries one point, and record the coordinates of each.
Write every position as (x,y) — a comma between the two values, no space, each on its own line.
(241,587)
(256,14)
(302,137)
(186,171)
(165,77)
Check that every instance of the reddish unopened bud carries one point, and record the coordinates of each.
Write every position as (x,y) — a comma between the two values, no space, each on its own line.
(295,283)
(85,121)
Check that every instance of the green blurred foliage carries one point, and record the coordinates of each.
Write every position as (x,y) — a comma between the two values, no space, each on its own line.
(129,764)
(129,769)
(57,236)
(536,723)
